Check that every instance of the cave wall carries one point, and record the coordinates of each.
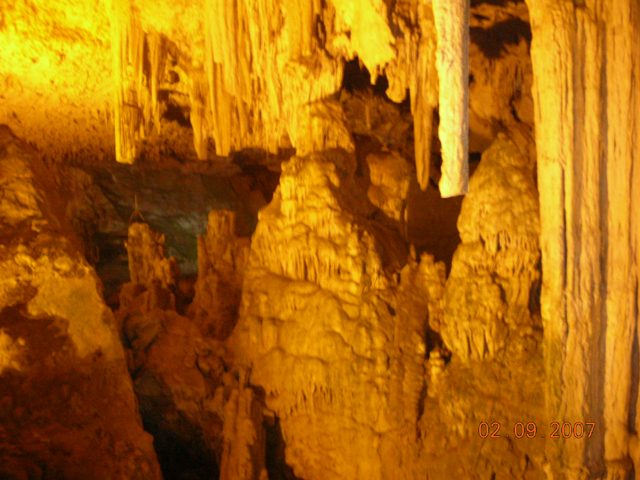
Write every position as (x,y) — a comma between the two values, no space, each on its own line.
(68,408)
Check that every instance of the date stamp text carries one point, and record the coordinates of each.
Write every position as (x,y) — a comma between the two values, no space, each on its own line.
(559,430)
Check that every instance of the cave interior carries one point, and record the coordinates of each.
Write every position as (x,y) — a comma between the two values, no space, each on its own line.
(316,240)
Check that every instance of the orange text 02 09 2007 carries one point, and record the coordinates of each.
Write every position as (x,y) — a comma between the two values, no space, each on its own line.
(530,429)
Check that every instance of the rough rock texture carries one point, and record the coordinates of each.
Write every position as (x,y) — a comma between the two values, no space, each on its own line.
(205,422)
(494,279)
(376,117)
(67,406)
(51,93)
(351,349)
(243,454)
(414,68)
(390,177)
(503,393)
(325,331)
(586,62)
(104,197)
(147,262)
(222,257)
(199,78)
(235,74)
(501,75)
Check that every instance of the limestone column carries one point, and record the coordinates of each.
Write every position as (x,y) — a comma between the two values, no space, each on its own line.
(585,59)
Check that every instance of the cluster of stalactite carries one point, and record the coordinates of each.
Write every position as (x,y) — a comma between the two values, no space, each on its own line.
(269,70)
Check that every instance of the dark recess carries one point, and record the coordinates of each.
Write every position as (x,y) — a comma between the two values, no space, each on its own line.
(173,112)
(182,460)
(356,77)
(275,461)
(508,32)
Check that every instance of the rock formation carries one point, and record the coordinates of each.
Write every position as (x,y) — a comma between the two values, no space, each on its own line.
(328,320)
(320,302)
(390,179)
(589,184)
(147,262)
(241,71)
(452,61)
(222,257)
(68,408)
(204,420)
(495,271)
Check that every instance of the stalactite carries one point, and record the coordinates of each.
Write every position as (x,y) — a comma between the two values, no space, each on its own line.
(259,59)
(424,95)
(157,58)
(369,34)
(229,74)
(414,69)
(139,62)
(198,116)
(127,49)
(452,61)
(219,109)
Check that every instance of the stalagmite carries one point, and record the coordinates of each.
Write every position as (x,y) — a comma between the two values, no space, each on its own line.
(452,60)
(222,257)
(337,305)
(344,328)
(147,261)
(495,269)
(243,450)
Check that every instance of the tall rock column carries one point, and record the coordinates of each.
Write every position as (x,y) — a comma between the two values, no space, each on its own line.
(586,64)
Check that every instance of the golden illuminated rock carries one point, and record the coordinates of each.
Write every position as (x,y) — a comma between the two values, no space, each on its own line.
(186,399)
(56,75)
(147,262)
(495,270)
(586,63)
(371,115)
(175,370)
(331,335)
(330,344)
(501,76)
(414,68)
(61,361)
(451,18)
(243,451)
(10,352)
(222,258)
(390,179)
(248,74)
